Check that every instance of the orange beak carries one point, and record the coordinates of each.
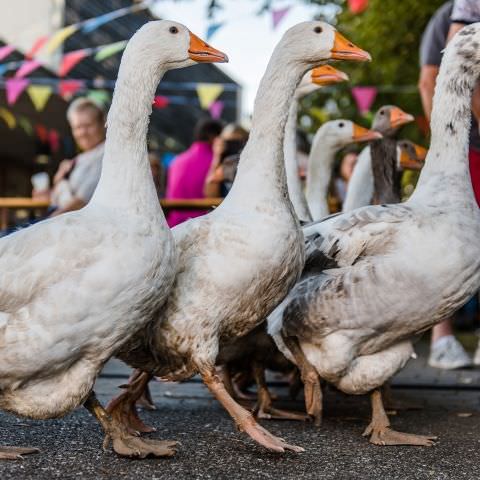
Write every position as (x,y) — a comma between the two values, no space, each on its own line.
(343,49)
(420,152)
(408,162)
(361,134)
(202,52)
(398,117)
(327,75)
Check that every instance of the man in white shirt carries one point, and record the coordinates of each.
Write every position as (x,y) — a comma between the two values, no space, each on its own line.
(76,180)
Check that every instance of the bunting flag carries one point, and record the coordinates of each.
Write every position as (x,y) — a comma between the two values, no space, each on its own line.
(357,6)
(8,117)
(71,59)
(212,29)
(59,37)
(54,140)
(216,109)
(160,101)
(68,88)
(15,87)
(36,47)
(39,94)
(101,97)
(364,97)
(6,51)
(208,93)
(27,67)
(94,23)
(25,124)
(109,50)
(279,15)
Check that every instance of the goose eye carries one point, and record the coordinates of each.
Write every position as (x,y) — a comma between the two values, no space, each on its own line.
(382,112)
(318,30)
(173,30)
(341,124)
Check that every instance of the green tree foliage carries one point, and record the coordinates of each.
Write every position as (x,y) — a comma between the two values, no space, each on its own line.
(391,31)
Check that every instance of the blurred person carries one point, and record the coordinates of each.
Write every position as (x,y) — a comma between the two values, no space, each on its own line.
(226,154)
(345,170)
(158,173)
(188,171)
(446,352)
(76,179)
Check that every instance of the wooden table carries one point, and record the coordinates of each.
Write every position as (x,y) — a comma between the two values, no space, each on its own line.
(7,203)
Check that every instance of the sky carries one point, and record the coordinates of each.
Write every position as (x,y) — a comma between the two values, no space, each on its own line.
(246,38)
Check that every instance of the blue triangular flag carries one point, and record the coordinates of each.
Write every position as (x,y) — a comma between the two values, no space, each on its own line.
(211,30)
(93,23)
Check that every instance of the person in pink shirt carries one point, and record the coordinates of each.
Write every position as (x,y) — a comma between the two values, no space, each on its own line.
(187,172)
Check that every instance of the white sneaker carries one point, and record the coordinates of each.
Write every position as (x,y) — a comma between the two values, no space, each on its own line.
(447,353)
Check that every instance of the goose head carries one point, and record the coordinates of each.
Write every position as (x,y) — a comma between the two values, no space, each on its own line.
(410,155)
(318,78)
(389,118)
(313,43)
(172,45)
(340,133)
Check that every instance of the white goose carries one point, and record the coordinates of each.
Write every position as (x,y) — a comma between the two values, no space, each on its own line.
(328,140)
(75,287)
(395,270)
(318,77)
(238,262)
(387,120)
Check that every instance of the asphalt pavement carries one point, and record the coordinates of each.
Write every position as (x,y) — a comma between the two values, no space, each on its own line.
(211,448)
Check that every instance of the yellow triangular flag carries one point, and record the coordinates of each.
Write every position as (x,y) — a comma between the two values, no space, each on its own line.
(59,37)
(9,118)
(39,94)
(208,93)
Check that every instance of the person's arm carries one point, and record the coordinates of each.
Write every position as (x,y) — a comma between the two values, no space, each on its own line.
(74,204)
(63,169)
(426,85)
(213,183)
(454,28)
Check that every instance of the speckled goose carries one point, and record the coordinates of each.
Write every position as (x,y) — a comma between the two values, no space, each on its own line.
(392,271)
(75,287)
(238,262)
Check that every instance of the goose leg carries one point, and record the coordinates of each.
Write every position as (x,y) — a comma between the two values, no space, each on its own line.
(263,408)
(381,433)
(123,442)
(15,453)
(311,381)
(243,418)
(122,408)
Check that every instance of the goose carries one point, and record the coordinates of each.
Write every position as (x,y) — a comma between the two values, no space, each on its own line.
(75,287)
(391,271)
(318,77)
(328,140)
(237,262)
(387,120)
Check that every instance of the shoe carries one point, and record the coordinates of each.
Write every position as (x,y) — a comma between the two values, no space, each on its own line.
(447,353)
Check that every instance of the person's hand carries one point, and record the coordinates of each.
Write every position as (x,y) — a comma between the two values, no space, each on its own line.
(63,169)
(42,195)
(217,175)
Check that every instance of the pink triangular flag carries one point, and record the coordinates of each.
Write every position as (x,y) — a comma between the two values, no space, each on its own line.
(71,59)
(160,101)
(28,67)
(357,6)
(277,15)
(5,51)
(14,87)
(364,97)
(37,45)
(68,88)
(216,109)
